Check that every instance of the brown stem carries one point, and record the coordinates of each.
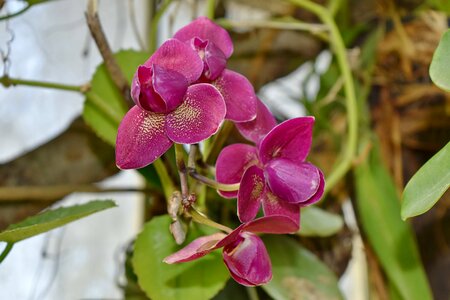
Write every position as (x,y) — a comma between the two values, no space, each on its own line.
(99,37)
(52,192)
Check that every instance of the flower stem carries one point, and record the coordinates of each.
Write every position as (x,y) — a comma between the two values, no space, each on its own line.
(154,25)
(338,46)
(6,251)
(210,9)
(16,13)
(182,171)
(252,293)
(203,179)
(213,151)
(284,24)
(8,81)
(212,183)
(166,181)
(202,219)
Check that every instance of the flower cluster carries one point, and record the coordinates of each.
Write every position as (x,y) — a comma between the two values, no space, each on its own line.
(274,173)
(183,93)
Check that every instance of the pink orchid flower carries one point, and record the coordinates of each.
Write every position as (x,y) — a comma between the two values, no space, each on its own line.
(244,252)
(214,46)
(274,173)
(170,106)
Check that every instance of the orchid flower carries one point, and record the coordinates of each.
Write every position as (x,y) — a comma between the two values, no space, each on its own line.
(244,252)
(170,106)
(213,45)
(274,172)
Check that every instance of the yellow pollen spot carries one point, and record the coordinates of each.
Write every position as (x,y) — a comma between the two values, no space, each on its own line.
(151,125)
(257,187)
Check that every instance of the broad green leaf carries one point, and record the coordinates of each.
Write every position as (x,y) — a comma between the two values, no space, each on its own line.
(51,219)
(315,221)
(199,279)
(392,239)
(440,65)
(428,185)
(297,273)
(104,106)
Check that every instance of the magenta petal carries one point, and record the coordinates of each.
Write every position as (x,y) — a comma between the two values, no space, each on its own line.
(290,139)
(250,193)
(140,139)
(231,238)
(272,224)
(257,129)
(196,249)
(198,117)
(170,85)
(316,197)
(215,61)
(238,94)
(205,29)
(180,57)
(142,91)
(231,164)
(292,182)
(274,206)
(248,260)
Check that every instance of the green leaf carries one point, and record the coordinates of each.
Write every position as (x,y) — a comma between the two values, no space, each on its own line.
(297,273)
(199,279)
(315,221)
(51,219)
(34,2)
(392,239)
(440,65)
(428,185)
(104,107)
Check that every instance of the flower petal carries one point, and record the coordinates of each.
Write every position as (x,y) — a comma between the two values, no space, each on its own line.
(293,182)
(231,164)
(196,249)
(205,29)
(215,61)
(158,89)
(238,94)
(198,117)
(290,139)
(140,139)
(178,56)
(274,206)
(257,129)
(272,224)
(142,91)
(248,260)
(250,194)
(316,197)
(170,85)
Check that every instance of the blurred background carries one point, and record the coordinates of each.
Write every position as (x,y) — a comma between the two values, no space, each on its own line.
(50,156)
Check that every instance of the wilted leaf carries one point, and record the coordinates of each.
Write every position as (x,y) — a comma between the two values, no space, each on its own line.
(199,279)
(297,273)
(391,238)
(428,185)
(315,221)
(51,219)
